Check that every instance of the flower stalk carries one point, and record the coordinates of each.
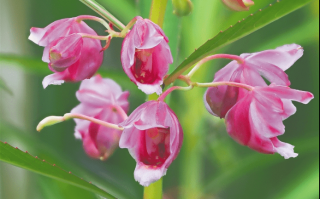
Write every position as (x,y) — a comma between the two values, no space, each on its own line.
(217,56)
(51,120)
(93,18)
(157,12)
(216,84)
(153,191)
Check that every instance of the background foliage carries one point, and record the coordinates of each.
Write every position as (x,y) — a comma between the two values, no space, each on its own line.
(211,164)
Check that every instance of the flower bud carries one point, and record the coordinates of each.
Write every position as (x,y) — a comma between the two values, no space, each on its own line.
(238,5)
(182,7)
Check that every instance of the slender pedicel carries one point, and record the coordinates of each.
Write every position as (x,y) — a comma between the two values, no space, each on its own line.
(93,18)
(239,59)
(164,95)
(129,25)
(216,84)
(84,35)
(51,120)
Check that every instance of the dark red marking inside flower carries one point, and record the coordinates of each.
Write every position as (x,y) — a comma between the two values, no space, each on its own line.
(143,69)
(155,146)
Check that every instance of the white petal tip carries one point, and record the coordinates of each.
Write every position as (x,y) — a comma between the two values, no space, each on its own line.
(287,151)
(146,175)
(51,79)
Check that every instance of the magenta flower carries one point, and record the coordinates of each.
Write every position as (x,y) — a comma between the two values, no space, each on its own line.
(270,64)
(153,135)
(256,119)
(102,99)
(146,56)
(71,57)
(238,5)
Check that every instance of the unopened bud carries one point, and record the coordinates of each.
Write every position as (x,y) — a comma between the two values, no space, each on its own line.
(182,7)
(238,5)
(48,121)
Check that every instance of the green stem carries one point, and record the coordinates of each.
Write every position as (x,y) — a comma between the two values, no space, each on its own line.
(104,13)
(157,12)
(153,191)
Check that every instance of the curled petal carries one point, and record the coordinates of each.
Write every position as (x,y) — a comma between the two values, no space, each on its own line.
(257,119)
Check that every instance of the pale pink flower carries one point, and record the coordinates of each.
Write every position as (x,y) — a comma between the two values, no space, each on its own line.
(71,57)
(269,64)
(146,55)
(102,99)
(238,5)
(256,119)
(153,136)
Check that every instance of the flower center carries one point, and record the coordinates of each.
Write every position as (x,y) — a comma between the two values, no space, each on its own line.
(155,146)
(142,68)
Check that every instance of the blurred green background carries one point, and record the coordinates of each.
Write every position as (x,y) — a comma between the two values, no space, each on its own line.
(210,164)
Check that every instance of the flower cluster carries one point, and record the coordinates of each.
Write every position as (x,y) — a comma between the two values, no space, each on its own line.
(253,110)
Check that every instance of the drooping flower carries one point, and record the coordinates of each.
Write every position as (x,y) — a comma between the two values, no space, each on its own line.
(269,64)
(146,55)
(71,57)
(153,136)
(238,5)
(102,99)
(256,119)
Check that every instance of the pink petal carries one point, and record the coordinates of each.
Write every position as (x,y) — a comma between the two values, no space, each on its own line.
(288,93)
(153,136)
(283,57)
(65,52)
(54,79)
(284,149)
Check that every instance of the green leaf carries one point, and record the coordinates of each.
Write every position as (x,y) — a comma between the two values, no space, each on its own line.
(12,134)
(24,160)
(36,66)
(239,30)
(4,86)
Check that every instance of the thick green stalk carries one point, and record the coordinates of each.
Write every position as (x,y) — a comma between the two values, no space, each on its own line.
(104,13)
(157,12)
(154,191)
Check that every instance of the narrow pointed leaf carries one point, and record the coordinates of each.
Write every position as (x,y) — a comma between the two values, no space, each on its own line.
(239,30)
(24,160)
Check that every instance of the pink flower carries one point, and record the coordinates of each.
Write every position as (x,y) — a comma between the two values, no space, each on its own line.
(102,99)
(270,64)
(71,57)
(153,135)
(146,56)
(238,5)
(256,119)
